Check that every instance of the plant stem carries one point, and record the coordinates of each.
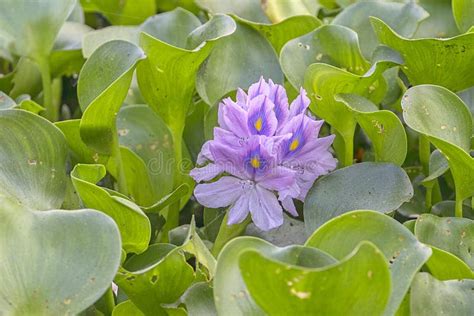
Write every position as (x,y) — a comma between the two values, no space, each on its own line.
(52,112)
(429,197)
(121,179)
(424,153)
(226,233)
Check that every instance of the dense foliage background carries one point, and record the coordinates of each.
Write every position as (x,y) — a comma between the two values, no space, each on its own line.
(104,108)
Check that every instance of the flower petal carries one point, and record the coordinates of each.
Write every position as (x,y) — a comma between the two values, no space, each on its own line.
(289,206)
(278,96)
(239,211)
(261,117)
(300,104)
(220,193)
(205,154)
(259,88)
(265,209)
(206,173)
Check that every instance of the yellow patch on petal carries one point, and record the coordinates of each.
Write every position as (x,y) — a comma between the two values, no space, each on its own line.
(255,162)
(294,144)
(258,124)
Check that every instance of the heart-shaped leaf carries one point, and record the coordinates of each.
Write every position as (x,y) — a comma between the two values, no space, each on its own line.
(230,292)
(95,39)
(404,252)
(75,256)
(122,12)
(444,62)
(463,11)
(439,23)
(378,186)
(279,10)
(298,290)
(33,155)
(133,224)
(441,116)
(429,296)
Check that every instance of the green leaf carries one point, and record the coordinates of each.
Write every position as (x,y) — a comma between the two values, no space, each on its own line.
(323,291)
(440,22)
(32,27)
(403,18)
(330,44)
(447,209)
(444,62)
(463,11)
(383,128)
(199,300)
(454,235)
(158,276)
(432,297)
(440,115)
(122,12)
(133,224)
(54,262)
(33,169)
(127,308)
(230,292)
(445,266)
(95,39)
(406,254)
(103,85)
(247,9)
(382,187)
(237,61)
(437,167)
(279,10)
(142,131)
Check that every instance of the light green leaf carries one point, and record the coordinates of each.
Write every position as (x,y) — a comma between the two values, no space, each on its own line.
(54,262)
(330,44)
(230,292)
(279,10)
(382,187)
(122,12)
(133,224)
(127,308)
(439,23)
(445,266)
(440,115)
(383,128)
(95,39)
(432,297)
(142,131)
(447,209)
(247,9)
(158,276)
(444,62)
(33,169)
(403,18)
(406,254)
(199,300)
(463,11)
(237,61)
(454,235)
(32,26)
(103,85)
(322,291)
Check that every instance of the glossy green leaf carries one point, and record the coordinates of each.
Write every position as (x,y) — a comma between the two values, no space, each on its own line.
(382,187)
(384,128)
(93,40)
(406,254)
(102,87)
(133,224)
(403,18)
(199,300)
(432,297)
(237,61)
(444,62)
(463,11)
(122,12)
(158,276)
(320,291)
(279,10)
(32,169)
(445,266)
(127,308)
(440,115)
(230,292)
(330,44)
(31,27)
(54,262)
(454,235)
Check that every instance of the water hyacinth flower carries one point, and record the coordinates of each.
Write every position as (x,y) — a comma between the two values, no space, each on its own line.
(265,153)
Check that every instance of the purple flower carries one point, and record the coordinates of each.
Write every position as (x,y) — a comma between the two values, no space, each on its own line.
(264,154)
